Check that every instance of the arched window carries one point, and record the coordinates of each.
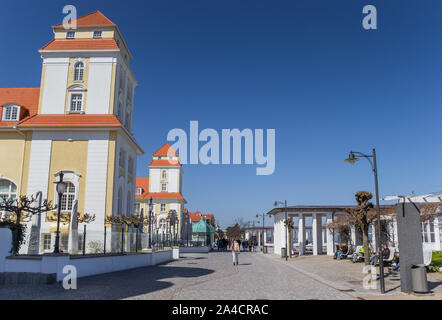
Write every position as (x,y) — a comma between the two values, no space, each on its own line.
(8,190)
(68,197)
(129,205)
(78,71)
(120,201)
(11,113)
(164,174)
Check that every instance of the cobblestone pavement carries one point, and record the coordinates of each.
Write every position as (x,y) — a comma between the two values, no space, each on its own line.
(194,276)
(347,276)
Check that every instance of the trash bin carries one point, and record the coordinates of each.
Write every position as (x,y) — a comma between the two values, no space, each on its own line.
(419,282)
(283,252)
(264,249)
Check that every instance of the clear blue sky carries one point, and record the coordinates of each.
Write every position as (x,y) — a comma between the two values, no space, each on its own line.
(305,68)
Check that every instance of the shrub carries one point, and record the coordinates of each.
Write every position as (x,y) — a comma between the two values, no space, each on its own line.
(18,234)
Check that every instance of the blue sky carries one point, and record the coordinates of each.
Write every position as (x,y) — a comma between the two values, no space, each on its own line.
(305,68)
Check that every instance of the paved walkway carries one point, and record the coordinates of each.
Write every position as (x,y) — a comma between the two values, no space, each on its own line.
(347,276)
(212,276)
(194,276)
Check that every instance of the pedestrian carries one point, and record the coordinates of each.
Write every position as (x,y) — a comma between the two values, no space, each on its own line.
(235,252)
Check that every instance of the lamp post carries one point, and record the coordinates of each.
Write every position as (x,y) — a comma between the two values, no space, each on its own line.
(61,188)
(286,227)
(352,159)
(172,220)
(150,222)
(262,237)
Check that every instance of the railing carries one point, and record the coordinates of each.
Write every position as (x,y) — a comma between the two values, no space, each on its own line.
(88,242)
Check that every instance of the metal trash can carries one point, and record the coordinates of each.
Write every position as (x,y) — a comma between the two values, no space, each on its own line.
(264,249)
(419,282)
(283,252)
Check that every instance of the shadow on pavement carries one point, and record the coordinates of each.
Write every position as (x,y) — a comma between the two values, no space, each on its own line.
(109,286)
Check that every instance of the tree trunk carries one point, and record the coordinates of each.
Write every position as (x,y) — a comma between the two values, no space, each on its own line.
(366,244)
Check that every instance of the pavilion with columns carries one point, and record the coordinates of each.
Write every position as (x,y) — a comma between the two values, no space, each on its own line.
(311,229)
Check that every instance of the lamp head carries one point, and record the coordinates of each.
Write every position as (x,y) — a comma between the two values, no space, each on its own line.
(150,204)
(351,158)
(61,186)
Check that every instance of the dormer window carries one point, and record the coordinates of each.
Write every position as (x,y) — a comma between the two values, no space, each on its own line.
(98,34)
(78,71)
(139,191)
(11,113)
(70,35)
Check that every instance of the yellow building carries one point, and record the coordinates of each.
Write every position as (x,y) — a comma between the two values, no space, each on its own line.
(79,122)
(164,187)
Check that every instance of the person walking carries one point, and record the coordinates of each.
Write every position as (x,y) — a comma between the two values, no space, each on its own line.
(235,252)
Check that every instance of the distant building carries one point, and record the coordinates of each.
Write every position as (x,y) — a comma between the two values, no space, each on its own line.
(164,187)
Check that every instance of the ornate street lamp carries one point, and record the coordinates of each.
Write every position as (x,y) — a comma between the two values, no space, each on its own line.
(353,159)
(150,222)
(262,237)
(172,218)
(286,229)
(61,189)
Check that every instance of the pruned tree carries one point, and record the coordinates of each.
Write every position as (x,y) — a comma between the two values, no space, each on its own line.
(430,210)
(20,211)
(234,232)
(290,225)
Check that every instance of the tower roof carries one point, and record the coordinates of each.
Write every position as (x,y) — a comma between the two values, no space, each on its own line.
(93,19)
(166,150)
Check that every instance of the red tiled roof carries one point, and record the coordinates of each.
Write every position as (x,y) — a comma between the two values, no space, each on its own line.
(161,195)
(166,150)
(196,216)
(143,183)
(26,98)
(92,19)
(81,44)
(164,163)
(72,120)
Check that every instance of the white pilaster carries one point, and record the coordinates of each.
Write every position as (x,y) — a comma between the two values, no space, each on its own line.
(330,240)
(317,234)
(301,234)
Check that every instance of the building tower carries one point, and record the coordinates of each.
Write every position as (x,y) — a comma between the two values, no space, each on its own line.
(164,186)
(78,122)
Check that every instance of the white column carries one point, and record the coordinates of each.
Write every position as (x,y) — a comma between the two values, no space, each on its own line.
(317,234)
(301,234)
(437,238)
(353,235)
(374,236)
(330,240)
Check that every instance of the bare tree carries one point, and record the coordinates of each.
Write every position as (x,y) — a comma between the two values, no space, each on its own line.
(19,211)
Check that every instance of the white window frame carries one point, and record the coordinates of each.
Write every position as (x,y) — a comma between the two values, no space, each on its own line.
(163,174)
(73,33)
(79,77)
(9,109)
(162,207)
(75,109)
(77,89)
(69,176)
(163,187)
(97,37)
(46,245)
(9,194)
